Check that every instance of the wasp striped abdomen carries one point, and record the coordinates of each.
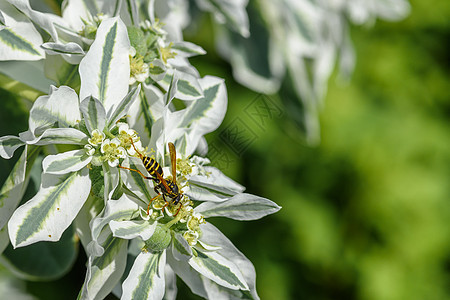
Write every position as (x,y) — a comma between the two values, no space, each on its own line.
(152,166)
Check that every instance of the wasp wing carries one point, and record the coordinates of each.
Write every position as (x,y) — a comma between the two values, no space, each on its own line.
(173,161)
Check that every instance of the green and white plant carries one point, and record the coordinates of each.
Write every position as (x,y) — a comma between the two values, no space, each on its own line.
(113,70)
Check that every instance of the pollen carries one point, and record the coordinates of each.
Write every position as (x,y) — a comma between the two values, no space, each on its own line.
(166,53)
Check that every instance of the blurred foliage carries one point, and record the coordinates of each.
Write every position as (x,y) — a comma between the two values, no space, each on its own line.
(365,214)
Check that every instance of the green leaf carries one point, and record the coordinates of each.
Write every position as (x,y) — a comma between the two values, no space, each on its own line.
(146,277)
(94,114)
(218,269)
(242,207)
(43,261)
(104,272)
(47,215)
(67,162)
(105,70)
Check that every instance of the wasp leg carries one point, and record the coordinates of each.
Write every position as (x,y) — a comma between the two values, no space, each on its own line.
(150,203)
(146,177)
(178,210)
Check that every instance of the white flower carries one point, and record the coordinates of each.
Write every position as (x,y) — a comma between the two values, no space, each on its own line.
(112,151)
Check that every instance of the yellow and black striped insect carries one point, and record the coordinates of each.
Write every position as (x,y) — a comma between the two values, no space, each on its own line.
(165,187)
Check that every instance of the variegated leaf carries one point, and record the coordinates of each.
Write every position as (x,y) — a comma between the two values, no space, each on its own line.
(157,70)
(122,209)
(60,106)
(213,187)
(171,283)
(105,70)
(191,277)
(57,136)
(94,114)
(242,207)
(219,269)
(19,40)
(187,49)
(212,236)
(146,277)
(51,210)
(104,272)
(67,162)
(59,48)
(8,145)
(232,13)
(13,189)
(132,229)
(181,85)
(111,180)
(180,248)
(44,20)
(121,109)
(135,181)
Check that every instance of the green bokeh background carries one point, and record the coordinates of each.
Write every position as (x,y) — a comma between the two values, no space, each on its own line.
(366,213)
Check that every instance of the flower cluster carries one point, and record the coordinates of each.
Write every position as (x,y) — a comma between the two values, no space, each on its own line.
(119,161)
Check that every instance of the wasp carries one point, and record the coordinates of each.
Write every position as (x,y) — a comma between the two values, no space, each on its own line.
(165,187)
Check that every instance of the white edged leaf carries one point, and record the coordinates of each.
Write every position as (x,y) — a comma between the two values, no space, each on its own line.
(105,70)
(180,248)
(104,272)
(47,215)
(8,145)
(191,277)
(171,283)
(232,13)
(157,70)
(132,229)
(122,209)
(110,180)
(59,48)
(91,209)
(213,236)
(188,87)
(57,136)
(145,111)
(19,39)
(94,114)
(61,106)
(44,20)
(67,162)
(146,277)
(133,180)
(187,49)
(219,269)
(242,207)
(121,109)
(13,189)
(215,186)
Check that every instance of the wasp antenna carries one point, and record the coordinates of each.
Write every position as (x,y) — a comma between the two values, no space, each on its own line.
(137,151)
